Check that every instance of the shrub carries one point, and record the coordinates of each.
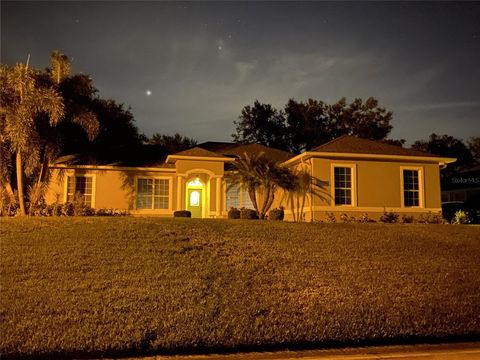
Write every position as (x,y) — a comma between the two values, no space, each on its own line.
(389,217)
(111,212)
(330,217)
(461,217)
(365,219)
(431,218)
(248,214)
(276,214)
(345,218)
(182,214)
(234,213)
(8,203)
(407,219)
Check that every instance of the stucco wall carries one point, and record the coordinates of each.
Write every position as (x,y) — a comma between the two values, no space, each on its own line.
(378,189)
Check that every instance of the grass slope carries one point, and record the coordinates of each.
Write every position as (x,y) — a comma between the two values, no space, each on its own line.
(123,285)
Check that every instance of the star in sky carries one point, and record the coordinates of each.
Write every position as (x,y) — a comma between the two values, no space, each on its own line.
(148,92)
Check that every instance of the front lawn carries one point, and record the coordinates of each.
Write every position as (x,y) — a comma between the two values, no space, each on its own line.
(93,286)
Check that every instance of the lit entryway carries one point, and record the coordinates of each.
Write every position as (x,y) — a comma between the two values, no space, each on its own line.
(195,198)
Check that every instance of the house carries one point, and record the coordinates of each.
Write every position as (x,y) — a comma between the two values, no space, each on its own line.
(355,176)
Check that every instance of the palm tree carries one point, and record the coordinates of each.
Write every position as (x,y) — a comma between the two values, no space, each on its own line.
(23,100)
(245,173)
(261,177)
(75,111)
(297,190)
(31,106)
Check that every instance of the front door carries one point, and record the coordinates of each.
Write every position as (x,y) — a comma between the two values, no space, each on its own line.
(195,202)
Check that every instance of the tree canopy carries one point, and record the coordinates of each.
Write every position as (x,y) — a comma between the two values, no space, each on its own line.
(172,143)
(302,125)
(449,146)
(46,114)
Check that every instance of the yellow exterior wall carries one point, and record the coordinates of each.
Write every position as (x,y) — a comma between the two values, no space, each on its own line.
(377,188)
(203,166)
(115,188)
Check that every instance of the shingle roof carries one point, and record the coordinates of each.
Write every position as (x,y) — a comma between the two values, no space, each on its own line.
(238,150)
(355,145)
(198,151)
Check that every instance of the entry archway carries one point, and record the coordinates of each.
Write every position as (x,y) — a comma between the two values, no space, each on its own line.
(196,197)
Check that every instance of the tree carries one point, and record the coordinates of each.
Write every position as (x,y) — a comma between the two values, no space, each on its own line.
(78,112)
(261,177)
(33,105)
(448,146)
(24,100)
(172,143)
(305,125)
(364,119)
(474,147)
(261,124)
(299,187)
(308,124)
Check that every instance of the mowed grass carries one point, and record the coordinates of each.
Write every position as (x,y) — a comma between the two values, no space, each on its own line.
(96,286)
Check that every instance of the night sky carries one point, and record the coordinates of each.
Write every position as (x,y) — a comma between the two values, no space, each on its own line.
(191,67)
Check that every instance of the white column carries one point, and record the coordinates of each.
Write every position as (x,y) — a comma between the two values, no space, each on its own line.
(180,189)
(218,187)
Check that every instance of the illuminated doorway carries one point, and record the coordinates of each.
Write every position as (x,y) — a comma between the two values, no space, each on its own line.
(196,198)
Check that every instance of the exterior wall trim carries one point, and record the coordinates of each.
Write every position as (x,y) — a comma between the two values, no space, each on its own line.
(111,167)
(421,187)
(172,158)
(350,156)
(352,166)
(372,209)
(94,186)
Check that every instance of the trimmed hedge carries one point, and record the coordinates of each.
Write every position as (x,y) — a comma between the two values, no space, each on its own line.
(248,214)
(182,214)
(234,213)
(276,214)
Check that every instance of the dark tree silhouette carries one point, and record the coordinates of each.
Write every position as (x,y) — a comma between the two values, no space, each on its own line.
(172,143)
(474,147)
(446,145)
(304,125)
(262,124)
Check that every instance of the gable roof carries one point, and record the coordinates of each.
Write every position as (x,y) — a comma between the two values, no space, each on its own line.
(238,150)
(197,152)
(355,145)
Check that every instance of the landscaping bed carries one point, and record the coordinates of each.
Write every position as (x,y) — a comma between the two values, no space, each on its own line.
(122,285)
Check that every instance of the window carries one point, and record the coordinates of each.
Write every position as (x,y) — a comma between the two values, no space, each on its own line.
(411,188)
(195,198)
(343,185)
(246,201)
(238,197)
(233,196)
(152,194)
(80,188)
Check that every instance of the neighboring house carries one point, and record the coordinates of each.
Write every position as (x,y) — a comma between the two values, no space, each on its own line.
(462,186)
(356,176)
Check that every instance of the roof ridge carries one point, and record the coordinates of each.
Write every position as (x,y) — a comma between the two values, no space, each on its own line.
(186,151)
(333,140)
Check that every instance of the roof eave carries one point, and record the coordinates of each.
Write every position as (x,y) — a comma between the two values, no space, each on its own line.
(171,159)
(309,154)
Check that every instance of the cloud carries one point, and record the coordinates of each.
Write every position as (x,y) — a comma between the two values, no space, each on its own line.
(442,106)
